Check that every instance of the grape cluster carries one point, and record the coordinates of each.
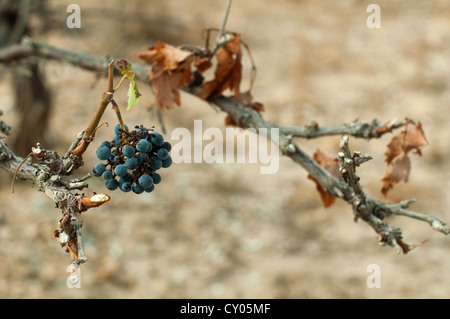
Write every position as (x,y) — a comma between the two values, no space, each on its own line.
(132,159)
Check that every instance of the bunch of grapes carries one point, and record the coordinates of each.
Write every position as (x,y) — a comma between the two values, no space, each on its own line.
(133,159)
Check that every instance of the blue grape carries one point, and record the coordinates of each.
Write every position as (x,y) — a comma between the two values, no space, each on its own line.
(115,141)
(162,154)
(112,184)
(128,151)
(117,129)
(156,163)
(106,143)
(167,162)
(127,177)
(156,178)
(156,138)
(136,188)
(144,146)
(120,170)
(167,146)
(107,175)
(125,187)
(95,173)
(149,190)
(146,181)
(103,152)
(115,159)
(131,163)
(100,168)
(143,157)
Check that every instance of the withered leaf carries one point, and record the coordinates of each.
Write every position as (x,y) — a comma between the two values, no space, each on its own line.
(411,139)
(228,73)
(332,166)
(202,64)
(398,170)
(171,69)
(399,164)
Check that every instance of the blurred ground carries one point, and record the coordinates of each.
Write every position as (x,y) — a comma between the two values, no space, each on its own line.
(225,231)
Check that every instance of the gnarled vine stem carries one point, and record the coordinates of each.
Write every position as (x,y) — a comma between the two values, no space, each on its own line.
(369,210)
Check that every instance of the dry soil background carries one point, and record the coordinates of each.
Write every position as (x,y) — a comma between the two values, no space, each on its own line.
(226,231)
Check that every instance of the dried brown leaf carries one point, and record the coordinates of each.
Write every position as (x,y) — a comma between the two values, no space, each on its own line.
(171,69)
(332,166)
(228,73)
(399,164)
(411,139)
(398,170)
(202,64)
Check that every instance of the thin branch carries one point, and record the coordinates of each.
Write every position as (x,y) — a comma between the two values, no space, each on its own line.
(400,210)
(224,22)
(18,167)
(359,129)
(74,144)
(161,120)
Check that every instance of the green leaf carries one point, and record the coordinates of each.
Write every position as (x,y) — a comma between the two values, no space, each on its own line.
(133,93)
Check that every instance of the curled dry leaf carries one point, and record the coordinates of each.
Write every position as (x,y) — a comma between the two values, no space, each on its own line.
(399,164)
(398,170)
(171,69)
(332,166)
(228,73)
(202,64)
(405,141)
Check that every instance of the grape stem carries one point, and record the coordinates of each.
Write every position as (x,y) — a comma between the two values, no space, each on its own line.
(119,117)
(106,99)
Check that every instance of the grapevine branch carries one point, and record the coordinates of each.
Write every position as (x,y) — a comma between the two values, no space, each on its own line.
(350,190)
(48,176)
(89,133)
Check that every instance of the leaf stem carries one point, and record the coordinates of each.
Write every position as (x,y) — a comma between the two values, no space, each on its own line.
(120,83)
